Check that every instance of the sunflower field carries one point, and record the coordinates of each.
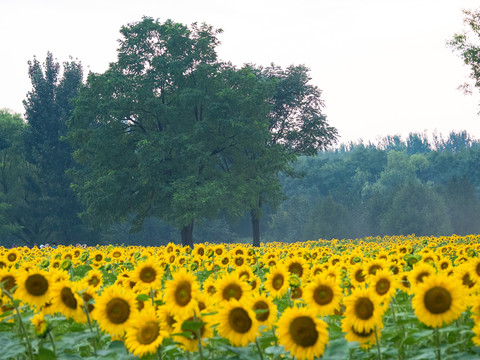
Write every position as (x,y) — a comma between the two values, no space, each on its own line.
(402,297)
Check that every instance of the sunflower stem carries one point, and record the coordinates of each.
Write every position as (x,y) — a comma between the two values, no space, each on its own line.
(152,296)
(259,349)
(97,338)
(20,322)
(199,337)
(377,339)
(159,352)
(50,336)
(437,343)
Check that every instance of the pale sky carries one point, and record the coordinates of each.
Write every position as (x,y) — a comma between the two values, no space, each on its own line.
(382,65)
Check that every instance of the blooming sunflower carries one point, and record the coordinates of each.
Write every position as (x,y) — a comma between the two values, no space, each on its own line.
(301,333)
(276,283)
(323,295)
(438,300)
(366,338)
(187,336)
(8,279)
(94,279)
(296,266)
(181,293)
(39,324)
(384,284)
(147,275)
(33,287)
(114,310)
(66,301)
(230,286)
(146,333)
(265,310)
(237,323)
(363,309)
(419,273)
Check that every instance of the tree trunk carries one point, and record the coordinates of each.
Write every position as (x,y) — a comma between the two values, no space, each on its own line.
(256,224)
(187,235)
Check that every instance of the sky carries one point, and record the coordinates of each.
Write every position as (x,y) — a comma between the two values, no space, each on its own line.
(382,65)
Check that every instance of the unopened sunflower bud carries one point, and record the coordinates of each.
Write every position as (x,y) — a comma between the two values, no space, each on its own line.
(294,281)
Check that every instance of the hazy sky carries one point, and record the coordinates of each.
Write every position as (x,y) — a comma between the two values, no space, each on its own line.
(382,65)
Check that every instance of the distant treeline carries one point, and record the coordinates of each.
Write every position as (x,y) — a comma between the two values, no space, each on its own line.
(422,185)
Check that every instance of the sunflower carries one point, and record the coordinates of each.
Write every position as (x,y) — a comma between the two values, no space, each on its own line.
(187,336)
(363,309)
(384,284)
(167,318)
(244,272)
(296,266)
(301,333)
(146,333)
(39,323)
(357,275)
(114,310)
(94,279)
(230,286)
(147,275)
(237,323)
(12,257)
(419,273)
(33,287)
(8,279)
(323,295)
(181,293)
(438,300)
(366,338)
(276,283)
(466,274)
(66,301)
(265,310)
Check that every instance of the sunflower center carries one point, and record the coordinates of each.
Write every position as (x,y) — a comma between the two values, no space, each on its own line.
(94,281)
(12,257)
(148,333)
(373,269)
(261,305)
(211,290)
(359,275)
(239,320)
(467,281)
(277,281)
(118,311)
(382,286)
(363,334)
(232,290)
(477,269)
(437,300)
(183,293)
(116,254)
(36,285)
(421,276)
(98,257)
(148,274)
(86,298)
(239,261)
(364,308)
(296,268)
(296,293)
(303,331)
(323,295)
(68,298)
(8,282)
(225,261)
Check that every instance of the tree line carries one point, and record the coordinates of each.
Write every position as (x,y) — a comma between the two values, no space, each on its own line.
(167,132)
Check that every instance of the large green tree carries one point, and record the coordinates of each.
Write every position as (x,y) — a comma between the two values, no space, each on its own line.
(296,125)
(53,206)
(154,132)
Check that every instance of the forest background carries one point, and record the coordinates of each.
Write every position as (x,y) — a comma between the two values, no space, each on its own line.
(305,188)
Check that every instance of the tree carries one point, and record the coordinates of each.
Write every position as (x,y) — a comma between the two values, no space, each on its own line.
(48,106)
(297,126)
(12,169)
(155,131)
(466,45)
